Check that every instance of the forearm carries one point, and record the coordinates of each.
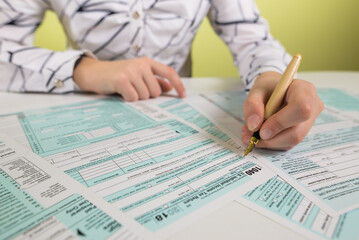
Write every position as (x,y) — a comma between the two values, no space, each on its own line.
(25,68)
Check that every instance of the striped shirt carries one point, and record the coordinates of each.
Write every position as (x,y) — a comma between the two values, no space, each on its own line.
(123,29)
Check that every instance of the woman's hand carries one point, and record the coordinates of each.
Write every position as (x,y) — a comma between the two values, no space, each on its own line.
(135,79)
(288,127)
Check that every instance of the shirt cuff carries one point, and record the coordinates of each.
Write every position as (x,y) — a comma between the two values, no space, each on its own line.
(60,71)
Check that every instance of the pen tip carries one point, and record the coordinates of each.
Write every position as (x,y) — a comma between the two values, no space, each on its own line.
(252,143)
(248,150)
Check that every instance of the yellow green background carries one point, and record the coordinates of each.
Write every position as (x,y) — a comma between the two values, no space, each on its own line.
(325,32)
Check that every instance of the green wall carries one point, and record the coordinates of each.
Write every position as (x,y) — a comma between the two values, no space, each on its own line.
(325,32)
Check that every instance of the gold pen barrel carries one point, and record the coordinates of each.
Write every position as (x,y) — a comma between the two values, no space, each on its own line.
(280,90)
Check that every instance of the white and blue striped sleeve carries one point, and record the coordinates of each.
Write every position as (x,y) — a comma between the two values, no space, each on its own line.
(23,67)
(247,35)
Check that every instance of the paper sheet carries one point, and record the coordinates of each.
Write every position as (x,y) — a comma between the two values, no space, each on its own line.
(38,201)
(160,170)
(325,166)
(279,201)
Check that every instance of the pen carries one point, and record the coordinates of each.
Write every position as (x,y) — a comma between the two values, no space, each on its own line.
(277,97)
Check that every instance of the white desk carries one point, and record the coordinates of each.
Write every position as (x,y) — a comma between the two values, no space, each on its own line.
(233,221)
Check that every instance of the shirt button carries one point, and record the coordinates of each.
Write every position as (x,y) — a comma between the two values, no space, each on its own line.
(59,84)
(136,15)
(136,48)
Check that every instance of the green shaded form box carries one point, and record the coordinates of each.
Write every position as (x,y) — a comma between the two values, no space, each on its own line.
(282,199)
(168,213)
(163,178)
(339,195)
(182,131)
(58,129)
(81,217)
(188,113)
(23,215)
(339,99)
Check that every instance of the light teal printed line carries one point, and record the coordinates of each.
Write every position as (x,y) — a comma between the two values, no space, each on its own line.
(178,127)
(164,215)
(170,103)
(230,102)
(146,163)
(163,178)
(218,134)
(188,113)
(325,118)
(58,129)
(180,185)
(83,216)
(266,196)
(74,172)
(339,99)
(102,178)
(75,212)
(17,205)
(334,195)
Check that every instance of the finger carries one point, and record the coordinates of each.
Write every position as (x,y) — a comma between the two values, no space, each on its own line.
(292,114)
(246,135)
(141,88)
(288,138)
(170,74)
(301,91)
(152,84)
(165,86)
(128,92)
(302,101)
(253,109)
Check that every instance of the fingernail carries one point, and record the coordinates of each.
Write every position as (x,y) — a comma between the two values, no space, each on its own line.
(253,122)
(266,134)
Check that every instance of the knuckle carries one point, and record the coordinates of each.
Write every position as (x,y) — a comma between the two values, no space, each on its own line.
(142,65)
(250,104)
(295,138)
(305,110)
(131,98)
(250,101)
(171,72)
(144,96)
(277,126)
(146,58)
(311,86)
(123,77)
(156,93)
(321,105)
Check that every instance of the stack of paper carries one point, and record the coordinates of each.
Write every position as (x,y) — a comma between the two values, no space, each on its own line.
(165,163)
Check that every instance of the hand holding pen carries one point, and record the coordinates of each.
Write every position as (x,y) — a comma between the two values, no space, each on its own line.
(285,120)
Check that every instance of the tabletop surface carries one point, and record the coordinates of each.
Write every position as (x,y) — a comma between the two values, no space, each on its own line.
(234,221)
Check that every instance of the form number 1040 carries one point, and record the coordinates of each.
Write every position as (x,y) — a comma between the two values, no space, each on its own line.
(253,170)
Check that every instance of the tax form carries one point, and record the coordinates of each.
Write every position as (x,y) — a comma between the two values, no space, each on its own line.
(279,201)
(38,201)
(159,169)
(325,166)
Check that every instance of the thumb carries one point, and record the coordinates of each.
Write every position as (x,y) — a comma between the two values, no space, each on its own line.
(253,109)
